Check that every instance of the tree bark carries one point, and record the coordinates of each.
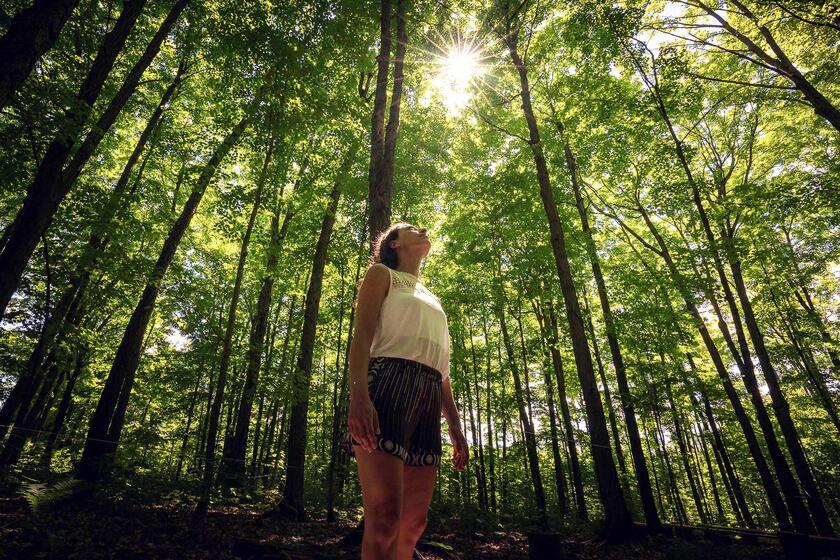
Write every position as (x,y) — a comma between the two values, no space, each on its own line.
(32,32)
(292,502)
(617,522)
(107,420)
(45,194)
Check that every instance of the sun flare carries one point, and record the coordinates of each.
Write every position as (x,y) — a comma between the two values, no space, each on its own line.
(457,69)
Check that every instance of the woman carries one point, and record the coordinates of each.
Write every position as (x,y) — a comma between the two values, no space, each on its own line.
(399,385)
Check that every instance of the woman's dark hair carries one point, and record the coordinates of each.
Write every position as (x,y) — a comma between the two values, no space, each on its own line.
(382,250)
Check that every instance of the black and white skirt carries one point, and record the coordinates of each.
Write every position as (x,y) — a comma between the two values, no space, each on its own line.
(407,397)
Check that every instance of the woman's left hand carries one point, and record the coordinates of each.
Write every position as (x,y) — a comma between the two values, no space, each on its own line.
(461,453)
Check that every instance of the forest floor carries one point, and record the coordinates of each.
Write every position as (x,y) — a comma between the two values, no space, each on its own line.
(132,522)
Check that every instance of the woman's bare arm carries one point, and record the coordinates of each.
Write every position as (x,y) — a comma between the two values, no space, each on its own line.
(372,292)
(450,409)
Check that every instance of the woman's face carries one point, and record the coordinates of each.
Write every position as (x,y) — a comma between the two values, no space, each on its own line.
(414,239)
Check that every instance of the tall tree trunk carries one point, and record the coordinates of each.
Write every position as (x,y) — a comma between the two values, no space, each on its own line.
(528,428)
(608,402)
(780,407)
(217,393)
(63,408)
(340,417)
(379,203)
(481,473)
(46,193)
(799,513)
(32,32)
(738,501)
(574,463)
(681,443)
(491,451)
(776,502)
(107,420)
(28,382)
(559,478)
(636,451)
(292,501)
(617,520)
(233,468)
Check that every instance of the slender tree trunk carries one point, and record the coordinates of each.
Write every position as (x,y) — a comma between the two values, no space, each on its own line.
(559,478)
(217,393)
(379,202)
(574,463)
(32,32)
(25,386)
(636,451)
(491,451)
(340,418)
(292,501)
(781,408)
(63,408)
(776,502)
(481,473)
(681,443)
(107,421)
(233,469)
(530,439)
(618,521)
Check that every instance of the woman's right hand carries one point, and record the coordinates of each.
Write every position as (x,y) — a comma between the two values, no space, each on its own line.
(363,422)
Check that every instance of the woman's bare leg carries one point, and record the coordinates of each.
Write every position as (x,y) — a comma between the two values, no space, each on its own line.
(381,479)
(418,489)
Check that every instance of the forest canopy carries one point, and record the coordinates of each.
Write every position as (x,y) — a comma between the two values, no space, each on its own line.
(634,210)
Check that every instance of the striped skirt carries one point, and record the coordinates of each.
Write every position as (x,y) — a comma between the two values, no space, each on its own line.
(407,397)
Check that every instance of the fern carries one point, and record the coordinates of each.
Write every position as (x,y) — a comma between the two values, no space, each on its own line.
(40,496)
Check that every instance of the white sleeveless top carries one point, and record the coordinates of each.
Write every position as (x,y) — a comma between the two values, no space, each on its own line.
(412,324)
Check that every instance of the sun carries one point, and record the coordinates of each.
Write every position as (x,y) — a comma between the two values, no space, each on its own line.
(458,67)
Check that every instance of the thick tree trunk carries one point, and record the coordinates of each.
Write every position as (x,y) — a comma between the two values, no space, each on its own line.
(617,522)
(32,32)
(292,503)
(46,193)
(107,421)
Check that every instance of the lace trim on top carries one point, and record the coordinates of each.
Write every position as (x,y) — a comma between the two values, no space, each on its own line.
(407,280)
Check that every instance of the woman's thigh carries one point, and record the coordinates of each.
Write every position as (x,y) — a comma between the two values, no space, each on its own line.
(418,489)
(381,479)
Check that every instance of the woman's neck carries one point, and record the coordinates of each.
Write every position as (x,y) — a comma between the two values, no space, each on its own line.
(411,267)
